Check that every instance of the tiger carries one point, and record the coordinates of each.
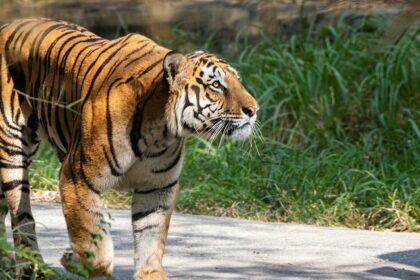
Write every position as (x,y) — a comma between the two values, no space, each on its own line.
(117,114)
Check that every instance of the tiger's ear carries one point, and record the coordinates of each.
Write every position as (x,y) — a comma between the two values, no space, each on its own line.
(172,64)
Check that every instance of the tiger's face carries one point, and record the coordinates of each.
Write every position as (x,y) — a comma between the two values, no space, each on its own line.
(207,97)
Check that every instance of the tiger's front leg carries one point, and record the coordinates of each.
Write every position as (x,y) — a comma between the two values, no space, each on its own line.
(151,213)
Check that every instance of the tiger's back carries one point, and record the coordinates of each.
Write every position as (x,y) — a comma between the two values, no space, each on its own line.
(54,67)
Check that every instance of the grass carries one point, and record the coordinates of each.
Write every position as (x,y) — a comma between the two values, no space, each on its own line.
(340,123)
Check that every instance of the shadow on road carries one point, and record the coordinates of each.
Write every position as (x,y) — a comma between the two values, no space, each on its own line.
(409,258)
(201,247)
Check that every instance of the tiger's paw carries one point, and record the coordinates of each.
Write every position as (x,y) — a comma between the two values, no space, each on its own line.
(88,267)
(151,274)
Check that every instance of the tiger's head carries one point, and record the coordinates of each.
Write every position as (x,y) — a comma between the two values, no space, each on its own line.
(207,97)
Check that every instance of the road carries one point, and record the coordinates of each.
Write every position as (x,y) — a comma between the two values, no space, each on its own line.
(203,247)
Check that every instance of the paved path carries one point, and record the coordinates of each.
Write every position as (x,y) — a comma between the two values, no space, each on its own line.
(202,247)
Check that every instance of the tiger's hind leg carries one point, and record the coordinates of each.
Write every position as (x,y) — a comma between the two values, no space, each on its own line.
(15,188)
(17,144)
(7,261)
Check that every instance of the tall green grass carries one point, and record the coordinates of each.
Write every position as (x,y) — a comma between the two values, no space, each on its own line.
(340,123)
(340,116)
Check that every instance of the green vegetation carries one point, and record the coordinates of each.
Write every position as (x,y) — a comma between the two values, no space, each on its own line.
(340,132)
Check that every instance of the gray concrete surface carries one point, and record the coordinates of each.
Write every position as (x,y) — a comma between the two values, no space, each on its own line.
(202,247)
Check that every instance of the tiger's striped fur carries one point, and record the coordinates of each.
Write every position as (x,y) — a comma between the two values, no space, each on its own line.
(116,112)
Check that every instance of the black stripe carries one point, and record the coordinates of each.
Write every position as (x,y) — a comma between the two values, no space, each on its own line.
(140,230)
(142,214)
(128,57)
(42,71)
(77,87)
(144,72)
(127,37)
(58,65)
(141,56)
(159,76)
(12,166)
(109,131)
(200,81)
(16,30)
(2,109)
(9,133)
(61,75)
(34,51)
(59,114)
(25,215)
(135,133)
(101,67)
(156,154)
(75,62)
(195,69)
(157,189)
(87,182)
(170,166)
(10,145)
(187,103)
(83,176)
(114,170)
(98,71)
(86,208)
(116,65)
(209,98)
(3,26)
(148,69)
(27,33)
(33,124)
(8,186)
(12,152)
(12,98)
(196,90)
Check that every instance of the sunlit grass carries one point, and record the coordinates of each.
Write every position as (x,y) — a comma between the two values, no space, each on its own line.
(336,185)
(340,119)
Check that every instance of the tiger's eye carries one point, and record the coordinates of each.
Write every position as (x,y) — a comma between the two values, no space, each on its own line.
(216,84)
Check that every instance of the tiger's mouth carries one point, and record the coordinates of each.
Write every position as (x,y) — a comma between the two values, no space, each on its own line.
(235,128)
(238,130)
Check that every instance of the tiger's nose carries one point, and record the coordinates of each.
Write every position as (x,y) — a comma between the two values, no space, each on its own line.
(251,110)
